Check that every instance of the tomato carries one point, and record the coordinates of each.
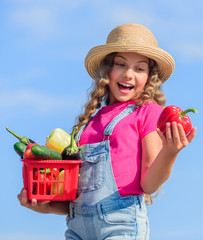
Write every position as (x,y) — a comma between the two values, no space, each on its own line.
(42,179)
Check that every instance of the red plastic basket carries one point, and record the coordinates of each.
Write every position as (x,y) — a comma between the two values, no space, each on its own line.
(51,180)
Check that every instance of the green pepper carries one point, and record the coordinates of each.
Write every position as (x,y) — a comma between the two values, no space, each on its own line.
(24,140)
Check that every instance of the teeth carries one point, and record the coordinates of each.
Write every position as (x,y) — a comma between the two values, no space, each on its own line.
(125,85)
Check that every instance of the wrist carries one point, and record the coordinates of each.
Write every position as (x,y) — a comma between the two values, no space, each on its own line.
(60,208)
(169,154)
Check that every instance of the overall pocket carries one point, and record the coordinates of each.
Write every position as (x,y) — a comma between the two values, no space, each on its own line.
(92,173)
(123,216)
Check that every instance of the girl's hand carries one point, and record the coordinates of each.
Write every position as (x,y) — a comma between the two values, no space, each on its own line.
(176,139)
(37,206)
(59,207)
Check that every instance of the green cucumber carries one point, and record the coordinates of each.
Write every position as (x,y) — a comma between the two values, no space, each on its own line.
(45,153)
(20,147)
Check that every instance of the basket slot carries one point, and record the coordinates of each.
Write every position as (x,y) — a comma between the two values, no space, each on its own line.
(41,181)
(58,185)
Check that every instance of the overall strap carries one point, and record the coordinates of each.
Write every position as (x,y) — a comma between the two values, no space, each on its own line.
(109,129)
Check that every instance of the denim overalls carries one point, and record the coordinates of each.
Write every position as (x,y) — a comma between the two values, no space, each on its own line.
(100,212)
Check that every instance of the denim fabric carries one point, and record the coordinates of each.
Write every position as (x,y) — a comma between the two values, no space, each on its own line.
(100,212)
(124,218)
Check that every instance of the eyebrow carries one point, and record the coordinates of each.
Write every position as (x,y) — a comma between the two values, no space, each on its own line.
(141,61)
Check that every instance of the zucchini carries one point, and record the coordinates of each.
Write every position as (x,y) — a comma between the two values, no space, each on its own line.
(45,153)
(19,148)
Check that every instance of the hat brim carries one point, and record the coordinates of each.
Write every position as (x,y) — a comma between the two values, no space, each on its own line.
(165,61)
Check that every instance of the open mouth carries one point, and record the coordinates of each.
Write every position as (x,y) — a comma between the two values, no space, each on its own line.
(125,86)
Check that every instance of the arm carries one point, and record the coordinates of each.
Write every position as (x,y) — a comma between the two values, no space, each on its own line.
(160,153)
(60,208)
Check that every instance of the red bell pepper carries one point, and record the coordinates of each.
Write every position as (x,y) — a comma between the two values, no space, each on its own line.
(55,172)
(40,182)
(28,154)
(175,114)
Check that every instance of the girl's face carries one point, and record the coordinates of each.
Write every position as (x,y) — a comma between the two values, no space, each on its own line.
(128,76)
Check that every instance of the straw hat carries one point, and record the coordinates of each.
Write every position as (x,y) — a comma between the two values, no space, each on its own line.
(131,38)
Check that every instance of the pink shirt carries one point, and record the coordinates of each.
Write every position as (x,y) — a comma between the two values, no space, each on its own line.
(125,141)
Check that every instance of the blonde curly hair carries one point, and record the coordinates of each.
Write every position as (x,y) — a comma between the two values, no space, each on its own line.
(100,94)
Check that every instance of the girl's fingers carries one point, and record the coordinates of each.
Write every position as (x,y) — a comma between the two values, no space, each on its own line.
(176,133)
(19,196)
(34,203)
(22,197)
(38,206)
(180,139)
(182,135)
(191,135)
(43,202)
(169,132)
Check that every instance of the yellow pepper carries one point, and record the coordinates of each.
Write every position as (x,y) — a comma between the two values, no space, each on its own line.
(59,187)
(58,140)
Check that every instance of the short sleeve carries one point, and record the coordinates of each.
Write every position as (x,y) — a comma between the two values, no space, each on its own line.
(149,114)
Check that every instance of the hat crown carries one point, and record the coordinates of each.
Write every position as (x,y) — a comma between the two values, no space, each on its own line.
(132,33)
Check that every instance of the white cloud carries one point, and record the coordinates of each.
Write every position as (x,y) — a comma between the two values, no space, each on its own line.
(26,75)
(43,21)
(127,15)
(39,102)
(190,51)
(174,23)
(39,22)
(45,18)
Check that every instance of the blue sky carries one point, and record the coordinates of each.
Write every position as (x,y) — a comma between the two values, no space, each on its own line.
(44,85)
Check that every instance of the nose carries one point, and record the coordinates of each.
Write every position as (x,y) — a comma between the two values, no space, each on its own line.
(128,74)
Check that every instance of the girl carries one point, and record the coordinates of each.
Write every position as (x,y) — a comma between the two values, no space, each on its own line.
(125,158)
